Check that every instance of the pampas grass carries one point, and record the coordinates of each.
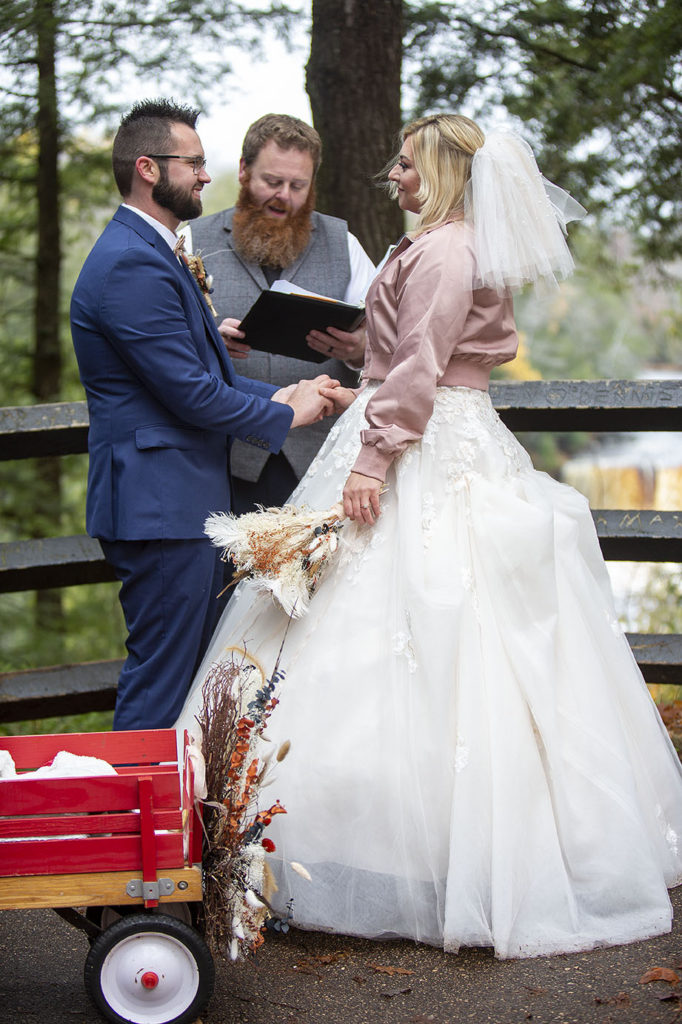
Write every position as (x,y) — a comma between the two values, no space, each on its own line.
(284,550)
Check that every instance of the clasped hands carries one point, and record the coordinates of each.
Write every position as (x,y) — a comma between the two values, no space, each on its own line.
(314,399)
(311,400)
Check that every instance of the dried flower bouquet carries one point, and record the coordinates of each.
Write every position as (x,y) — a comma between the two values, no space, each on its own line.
(237,701)
(284,550)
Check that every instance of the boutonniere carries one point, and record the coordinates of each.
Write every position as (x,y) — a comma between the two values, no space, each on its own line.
(205,281)
(197,270)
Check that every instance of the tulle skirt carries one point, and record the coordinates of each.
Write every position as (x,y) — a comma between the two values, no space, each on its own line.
(475,758)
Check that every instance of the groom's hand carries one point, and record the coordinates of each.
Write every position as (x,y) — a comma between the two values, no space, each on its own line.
(305,399)
(233,338)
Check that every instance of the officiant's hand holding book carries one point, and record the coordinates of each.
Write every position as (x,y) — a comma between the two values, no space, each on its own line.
(286,320)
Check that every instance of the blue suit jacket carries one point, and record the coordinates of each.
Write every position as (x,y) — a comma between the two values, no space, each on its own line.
(163,398)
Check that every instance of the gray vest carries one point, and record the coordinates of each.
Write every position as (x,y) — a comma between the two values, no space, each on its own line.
(323,267)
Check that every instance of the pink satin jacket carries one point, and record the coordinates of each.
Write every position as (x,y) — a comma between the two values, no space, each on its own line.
(427,328)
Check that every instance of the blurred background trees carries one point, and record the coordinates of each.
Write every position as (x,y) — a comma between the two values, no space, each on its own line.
(62,68)
(595,88)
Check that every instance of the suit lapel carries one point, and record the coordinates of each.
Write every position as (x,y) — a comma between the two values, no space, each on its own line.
(152,236)
(209,321)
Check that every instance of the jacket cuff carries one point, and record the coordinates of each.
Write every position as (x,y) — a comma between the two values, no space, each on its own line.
(372,462)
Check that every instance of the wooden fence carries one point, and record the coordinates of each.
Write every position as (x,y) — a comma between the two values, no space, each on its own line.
(595,406)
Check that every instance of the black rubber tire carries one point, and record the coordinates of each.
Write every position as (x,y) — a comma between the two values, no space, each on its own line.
(139,924)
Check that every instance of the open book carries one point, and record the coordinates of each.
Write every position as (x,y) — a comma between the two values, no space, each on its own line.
(282,316)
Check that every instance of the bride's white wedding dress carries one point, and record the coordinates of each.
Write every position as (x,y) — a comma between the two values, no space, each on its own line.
(475,757)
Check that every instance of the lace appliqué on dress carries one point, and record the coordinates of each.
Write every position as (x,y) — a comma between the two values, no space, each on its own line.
(478,429)
(469,585)
(461,758)
(428,517)
(356,543)
(671,836)
(342,458)
(403,646)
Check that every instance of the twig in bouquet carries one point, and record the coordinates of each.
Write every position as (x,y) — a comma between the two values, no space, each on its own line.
(237,703)
(284,550)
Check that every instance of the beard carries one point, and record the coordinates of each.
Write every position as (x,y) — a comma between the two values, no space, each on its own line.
(265,240)
(181,203)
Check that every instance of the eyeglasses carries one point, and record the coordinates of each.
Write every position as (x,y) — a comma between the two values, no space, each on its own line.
(198,162)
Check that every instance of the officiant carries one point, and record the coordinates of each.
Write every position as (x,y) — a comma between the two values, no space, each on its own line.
(274,232)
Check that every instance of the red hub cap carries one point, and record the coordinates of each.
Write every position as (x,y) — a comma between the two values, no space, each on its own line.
(149,979)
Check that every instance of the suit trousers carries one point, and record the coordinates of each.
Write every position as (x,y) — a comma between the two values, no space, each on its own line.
(169,595)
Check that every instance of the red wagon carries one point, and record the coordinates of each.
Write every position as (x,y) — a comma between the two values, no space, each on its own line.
(128,844)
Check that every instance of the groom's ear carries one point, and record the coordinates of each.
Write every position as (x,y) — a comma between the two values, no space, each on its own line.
(147,169)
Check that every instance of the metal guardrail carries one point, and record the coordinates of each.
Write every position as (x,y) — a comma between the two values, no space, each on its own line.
(562,406)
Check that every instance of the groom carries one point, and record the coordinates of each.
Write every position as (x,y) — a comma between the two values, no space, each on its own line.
(164,405)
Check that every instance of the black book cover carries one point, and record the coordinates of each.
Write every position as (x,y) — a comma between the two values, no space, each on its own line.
(278,322)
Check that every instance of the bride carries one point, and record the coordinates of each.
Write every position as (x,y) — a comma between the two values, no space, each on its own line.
(475,758)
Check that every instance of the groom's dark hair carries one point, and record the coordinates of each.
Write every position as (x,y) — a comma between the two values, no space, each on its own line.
(146,128)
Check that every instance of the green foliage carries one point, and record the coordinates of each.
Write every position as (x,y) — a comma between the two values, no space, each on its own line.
(596,85)
(93,721)
(95,48)
(597,89)
(104,44)
(221,193)
(611,319)
(92,630)
(655,603)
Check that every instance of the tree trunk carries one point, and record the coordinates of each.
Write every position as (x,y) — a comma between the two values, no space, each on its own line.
(47,359)
(353,80)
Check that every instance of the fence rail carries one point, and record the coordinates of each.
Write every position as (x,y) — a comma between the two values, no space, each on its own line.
(562,406)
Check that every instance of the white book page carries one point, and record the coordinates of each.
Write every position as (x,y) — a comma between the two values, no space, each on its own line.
(282,285)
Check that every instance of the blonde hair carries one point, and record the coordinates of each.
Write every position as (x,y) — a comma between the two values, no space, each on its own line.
(443,146)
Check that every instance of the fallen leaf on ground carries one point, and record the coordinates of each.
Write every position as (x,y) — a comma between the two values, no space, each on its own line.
(329,958)
(660,974)
(396,992)
(389,970)
(622,999)
(303,967)
(671,714)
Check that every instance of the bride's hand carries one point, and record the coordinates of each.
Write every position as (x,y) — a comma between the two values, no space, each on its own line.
(361,498)
(341,397)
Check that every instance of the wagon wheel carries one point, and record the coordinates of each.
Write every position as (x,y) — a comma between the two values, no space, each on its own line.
(104,916)
(149,969)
